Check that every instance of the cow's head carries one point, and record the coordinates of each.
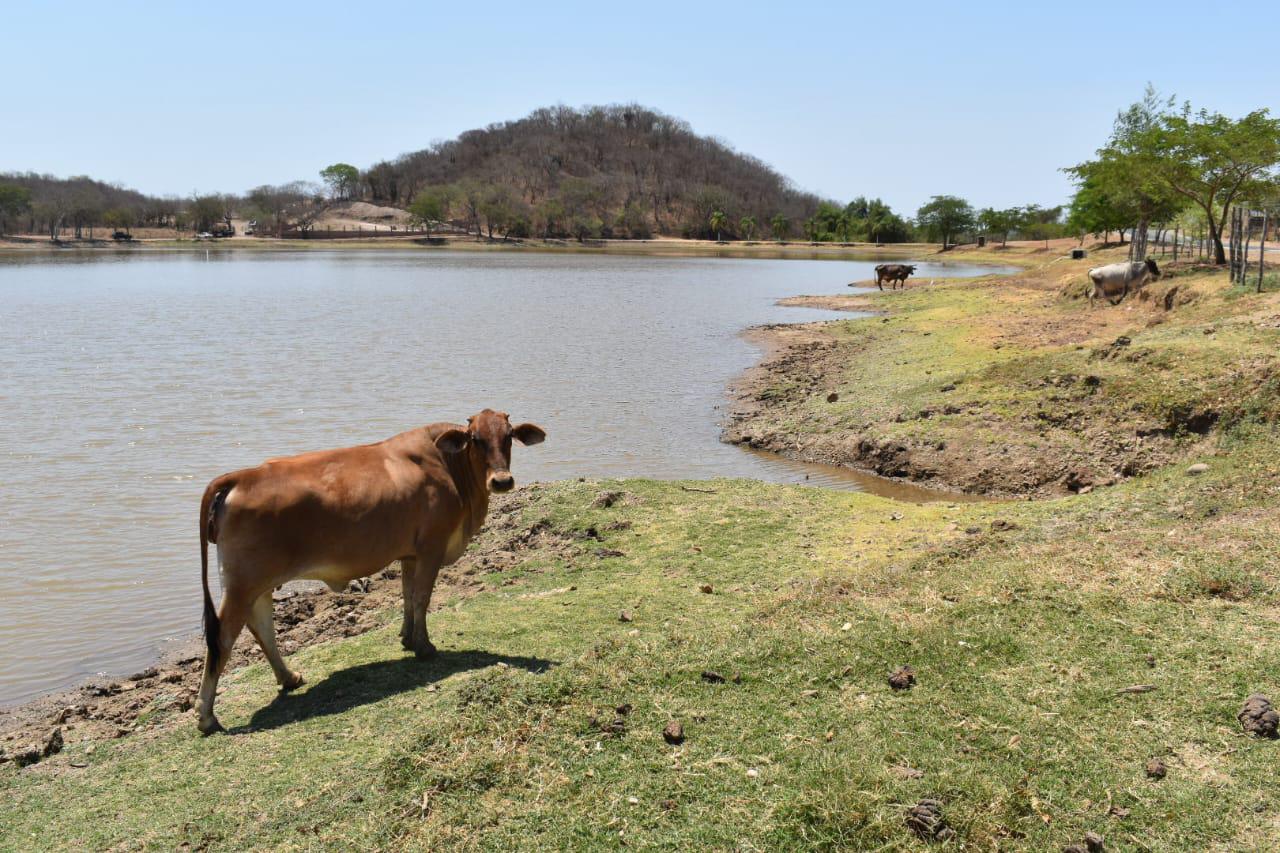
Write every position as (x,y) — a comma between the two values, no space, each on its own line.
(1152,268)
(489,435)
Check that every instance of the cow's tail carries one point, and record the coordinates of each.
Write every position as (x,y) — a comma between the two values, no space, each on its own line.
(210,509)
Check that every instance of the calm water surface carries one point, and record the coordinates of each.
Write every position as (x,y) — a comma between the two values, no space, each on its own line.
(130,381)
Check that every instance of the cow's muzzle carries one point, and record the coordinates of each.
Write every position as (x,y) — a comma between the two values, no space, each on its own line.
(501,481)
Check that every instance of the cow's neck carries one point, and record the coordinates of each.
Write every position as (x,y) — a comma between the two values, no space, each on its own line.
(469,474)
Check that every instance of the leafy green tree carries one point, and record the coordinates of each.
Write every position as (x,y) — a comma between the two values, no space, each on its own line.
(944,217)
(1127,169)
(429,207)
(716,221)
(551,218)
(585,225)
(874,220)
(826,222)
(779,225)
(998,223)
(119,219)
(504,212)
(1212,161)
(634,221)
(748,226)
(1095,211)
(341,178)
(1040,223)
(14,201)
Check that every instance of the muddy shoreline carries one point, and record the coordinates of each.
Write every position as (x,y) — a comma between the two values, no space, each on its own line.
(799,400)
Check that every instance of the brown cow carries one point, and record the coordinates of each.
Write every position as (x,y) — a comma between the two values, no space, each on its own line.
(337,515)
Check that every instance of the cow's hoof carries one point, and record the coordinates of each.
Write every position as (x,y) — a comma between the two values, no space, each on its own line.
(425,652)
(210,726)
(293,682)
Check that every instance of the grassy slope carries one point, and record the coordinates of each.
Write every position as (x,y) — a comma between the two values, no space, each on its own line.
(999,385)
(1020,637)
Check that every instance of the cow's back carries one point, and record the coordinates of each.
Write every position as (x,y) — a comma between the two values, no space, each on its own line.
(351,508)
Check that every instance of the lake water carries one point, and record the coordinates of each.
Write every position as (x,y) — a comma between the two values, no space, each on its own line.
(129,381)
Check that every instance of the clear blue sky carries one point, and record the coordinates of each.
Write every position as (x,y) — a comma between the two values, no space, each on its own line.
(890,99)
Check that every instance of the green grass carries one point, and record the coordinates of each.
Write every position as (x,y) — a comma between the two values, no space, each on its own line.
(1022,619)
(1020,637)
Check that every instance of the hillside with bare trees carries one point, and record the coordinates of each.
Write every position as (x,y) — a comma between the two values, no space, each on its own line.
(609,171)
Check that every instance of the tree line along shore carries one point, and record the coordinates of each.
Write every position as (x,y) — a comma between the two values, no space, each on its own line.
(625,172)
(722,663)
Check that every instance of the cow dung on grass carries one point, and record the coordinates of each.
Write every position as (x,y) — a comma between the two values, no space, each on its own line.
(1258,717)
(926,821)
(903,678)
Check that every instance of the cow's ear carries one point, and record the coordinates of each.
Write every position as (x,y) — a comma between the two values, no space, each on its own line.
(452,440)
(528,434)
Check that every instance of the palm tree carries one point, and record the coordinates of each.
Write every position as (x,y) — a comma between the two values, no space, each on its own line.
(717,222)
(844,224)
(779,225)
(811,229)
(748,226)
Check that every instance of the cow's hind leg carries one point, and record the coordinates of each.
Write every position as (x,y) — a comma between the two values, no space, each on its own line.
(408,568)
(264,631)
(231,618)
(424,582)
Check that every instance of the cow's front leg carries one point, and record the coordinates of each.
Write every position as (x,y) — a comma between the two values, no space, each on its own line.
(424,581)
(408,567)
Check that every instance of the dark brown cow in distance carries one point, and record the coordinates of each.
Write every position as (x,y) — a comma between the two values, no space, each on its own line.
(893,273)
(337,515)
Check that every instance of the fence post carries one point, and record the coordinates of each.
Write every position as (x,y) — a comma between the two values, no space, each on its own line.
(1235,232)
(1262,249)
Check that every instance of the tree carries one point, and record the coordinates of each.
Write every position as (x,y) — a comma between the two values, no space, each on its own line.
(998,223)
(874,220)
(826,222)
(279,205)
(502,211)
(341,179)
(119,219)
(430,206)
(1213,161)
(14,201)
(748,226)
(634,221)
(716,221)
(1095,211)
(205,210)
(944,217)
(779,225)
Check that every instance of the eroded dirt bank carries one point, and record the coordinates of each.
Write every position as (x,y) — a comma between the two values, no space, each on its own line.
(1009,385)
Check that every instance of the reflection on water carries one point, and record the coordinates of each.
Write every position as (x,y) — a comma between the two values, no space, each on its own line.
(130,381)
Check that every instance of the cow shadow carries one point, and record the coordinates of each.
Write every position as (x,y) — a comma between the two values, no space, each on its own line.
(370,682)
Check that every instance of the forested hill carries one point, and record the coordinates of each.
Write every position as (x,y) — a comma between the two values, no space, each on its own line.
(619,170)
